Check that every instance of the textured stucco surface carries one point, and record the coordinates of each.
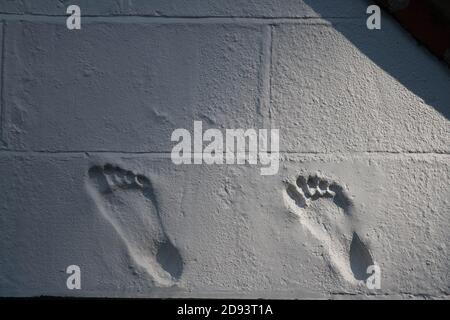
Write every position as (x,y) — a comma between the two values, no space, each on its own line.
(331,98)
(190,8)
(367,110)
(128,79)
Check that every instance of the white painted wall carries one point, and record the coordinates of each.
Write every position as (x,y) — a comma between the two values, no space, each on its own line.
(87,113)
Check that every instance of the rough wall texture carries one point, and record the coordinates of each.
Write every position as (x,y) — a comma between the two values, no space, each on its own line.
(86,175)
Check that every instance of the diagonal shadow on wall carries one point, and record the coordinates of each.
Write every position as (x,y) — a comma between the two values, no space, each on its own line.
(396,51)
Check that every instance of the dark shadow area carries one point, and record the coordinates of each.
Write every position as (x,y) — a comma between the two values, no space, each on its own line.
(398,53)
(297,197)
(98,178)
(170,260)
(360,258)
(341,199)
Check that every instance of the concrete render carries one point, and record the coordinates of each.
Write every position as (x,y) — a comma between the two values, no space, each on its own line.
(86,175)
